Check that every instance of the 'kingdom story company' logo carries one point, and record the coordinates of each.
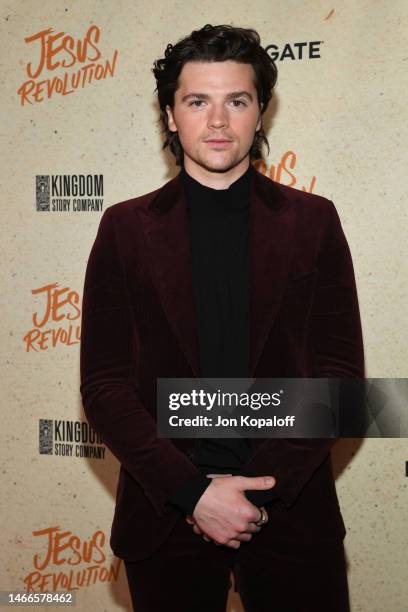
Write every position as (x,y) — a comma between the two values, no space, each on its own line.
(69,192)
(69,439)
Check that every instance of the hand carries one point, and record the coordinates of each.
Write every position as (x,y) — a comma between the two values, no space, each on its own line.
(223,513)
(191,521)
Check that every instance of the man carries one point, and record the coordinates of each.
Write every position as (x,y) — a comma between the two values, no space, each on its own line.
(220,272)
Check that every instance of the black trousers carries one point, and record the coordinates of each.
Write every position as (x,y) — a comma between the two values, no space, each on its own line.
(188,574)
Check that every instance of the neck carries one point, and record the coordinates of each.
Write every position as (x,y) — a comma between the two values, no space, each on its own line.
(215,180)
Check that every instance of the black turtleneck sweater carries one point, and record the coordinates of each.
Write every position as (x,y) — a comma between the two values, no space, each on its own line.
(219,238)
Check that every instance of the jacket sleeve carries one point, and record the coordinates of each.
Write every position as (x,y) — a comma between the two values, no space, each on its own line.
(108,386)
(337,344)
(187,496)
(261,497)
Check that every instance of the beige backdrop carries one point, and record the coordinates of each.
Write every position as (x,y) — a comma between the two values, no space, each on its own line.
(337,127)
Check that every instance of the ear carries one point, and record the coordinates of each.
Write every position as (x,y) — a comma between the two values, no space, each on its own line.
(259,124)
(170,119)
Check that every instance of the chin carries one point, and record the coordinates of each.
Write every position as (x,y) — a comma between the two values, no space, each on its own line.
(218,166)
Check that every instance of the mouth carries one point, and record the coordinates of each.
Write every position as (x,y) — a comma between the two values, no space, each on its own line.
(216,142)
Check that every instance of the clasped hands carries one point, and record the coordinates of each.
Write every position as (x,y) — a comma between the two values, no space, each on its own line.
(223,514)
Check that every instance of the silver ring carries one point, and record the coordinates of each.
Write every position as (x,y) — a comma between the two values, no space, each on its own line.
(263,518)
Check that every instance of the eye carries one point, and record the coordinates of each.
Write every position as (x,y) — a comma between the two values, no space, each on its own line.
(195,102)
(240,102)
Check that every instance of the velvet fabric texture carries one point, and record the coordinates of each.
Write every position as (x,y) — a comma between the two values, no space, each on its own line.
(138,324)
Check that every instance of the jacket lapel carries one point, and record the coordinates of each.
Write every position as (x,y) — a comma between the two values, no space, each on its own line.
(271,242)
(165,225)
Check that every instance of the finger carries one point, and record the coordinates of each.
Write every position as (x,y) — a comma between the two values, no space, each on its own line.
(217,475)
(197,530)
(260,513)
(211,540)
(253,483)
(233,544)
(253,528)
(244,537)
(190,520)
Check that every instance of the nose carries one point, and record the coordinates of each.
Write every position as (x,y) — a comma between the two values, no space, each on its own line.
(217,116)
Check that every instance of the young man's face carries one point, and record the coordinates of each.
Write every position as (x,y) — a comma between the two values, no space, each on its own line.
(216,113)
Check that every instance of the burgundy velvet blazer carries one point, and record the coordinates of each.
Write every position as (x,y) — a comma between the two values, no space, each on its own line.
(138,323)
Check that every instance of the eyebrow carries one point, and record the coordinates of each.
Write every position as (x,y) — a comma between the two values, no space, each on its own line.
(233,94)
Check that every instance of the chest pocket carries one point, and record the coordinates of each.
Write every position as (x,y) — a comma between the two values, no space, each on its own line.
(298,296)
(301,282)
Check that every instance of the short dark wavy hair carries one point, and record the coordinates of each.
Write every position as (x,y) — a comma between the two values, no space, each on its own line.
(215,44)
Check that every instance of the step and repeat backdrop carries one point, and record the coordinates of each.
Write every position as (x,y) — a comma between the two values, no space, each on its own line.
(80,132)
